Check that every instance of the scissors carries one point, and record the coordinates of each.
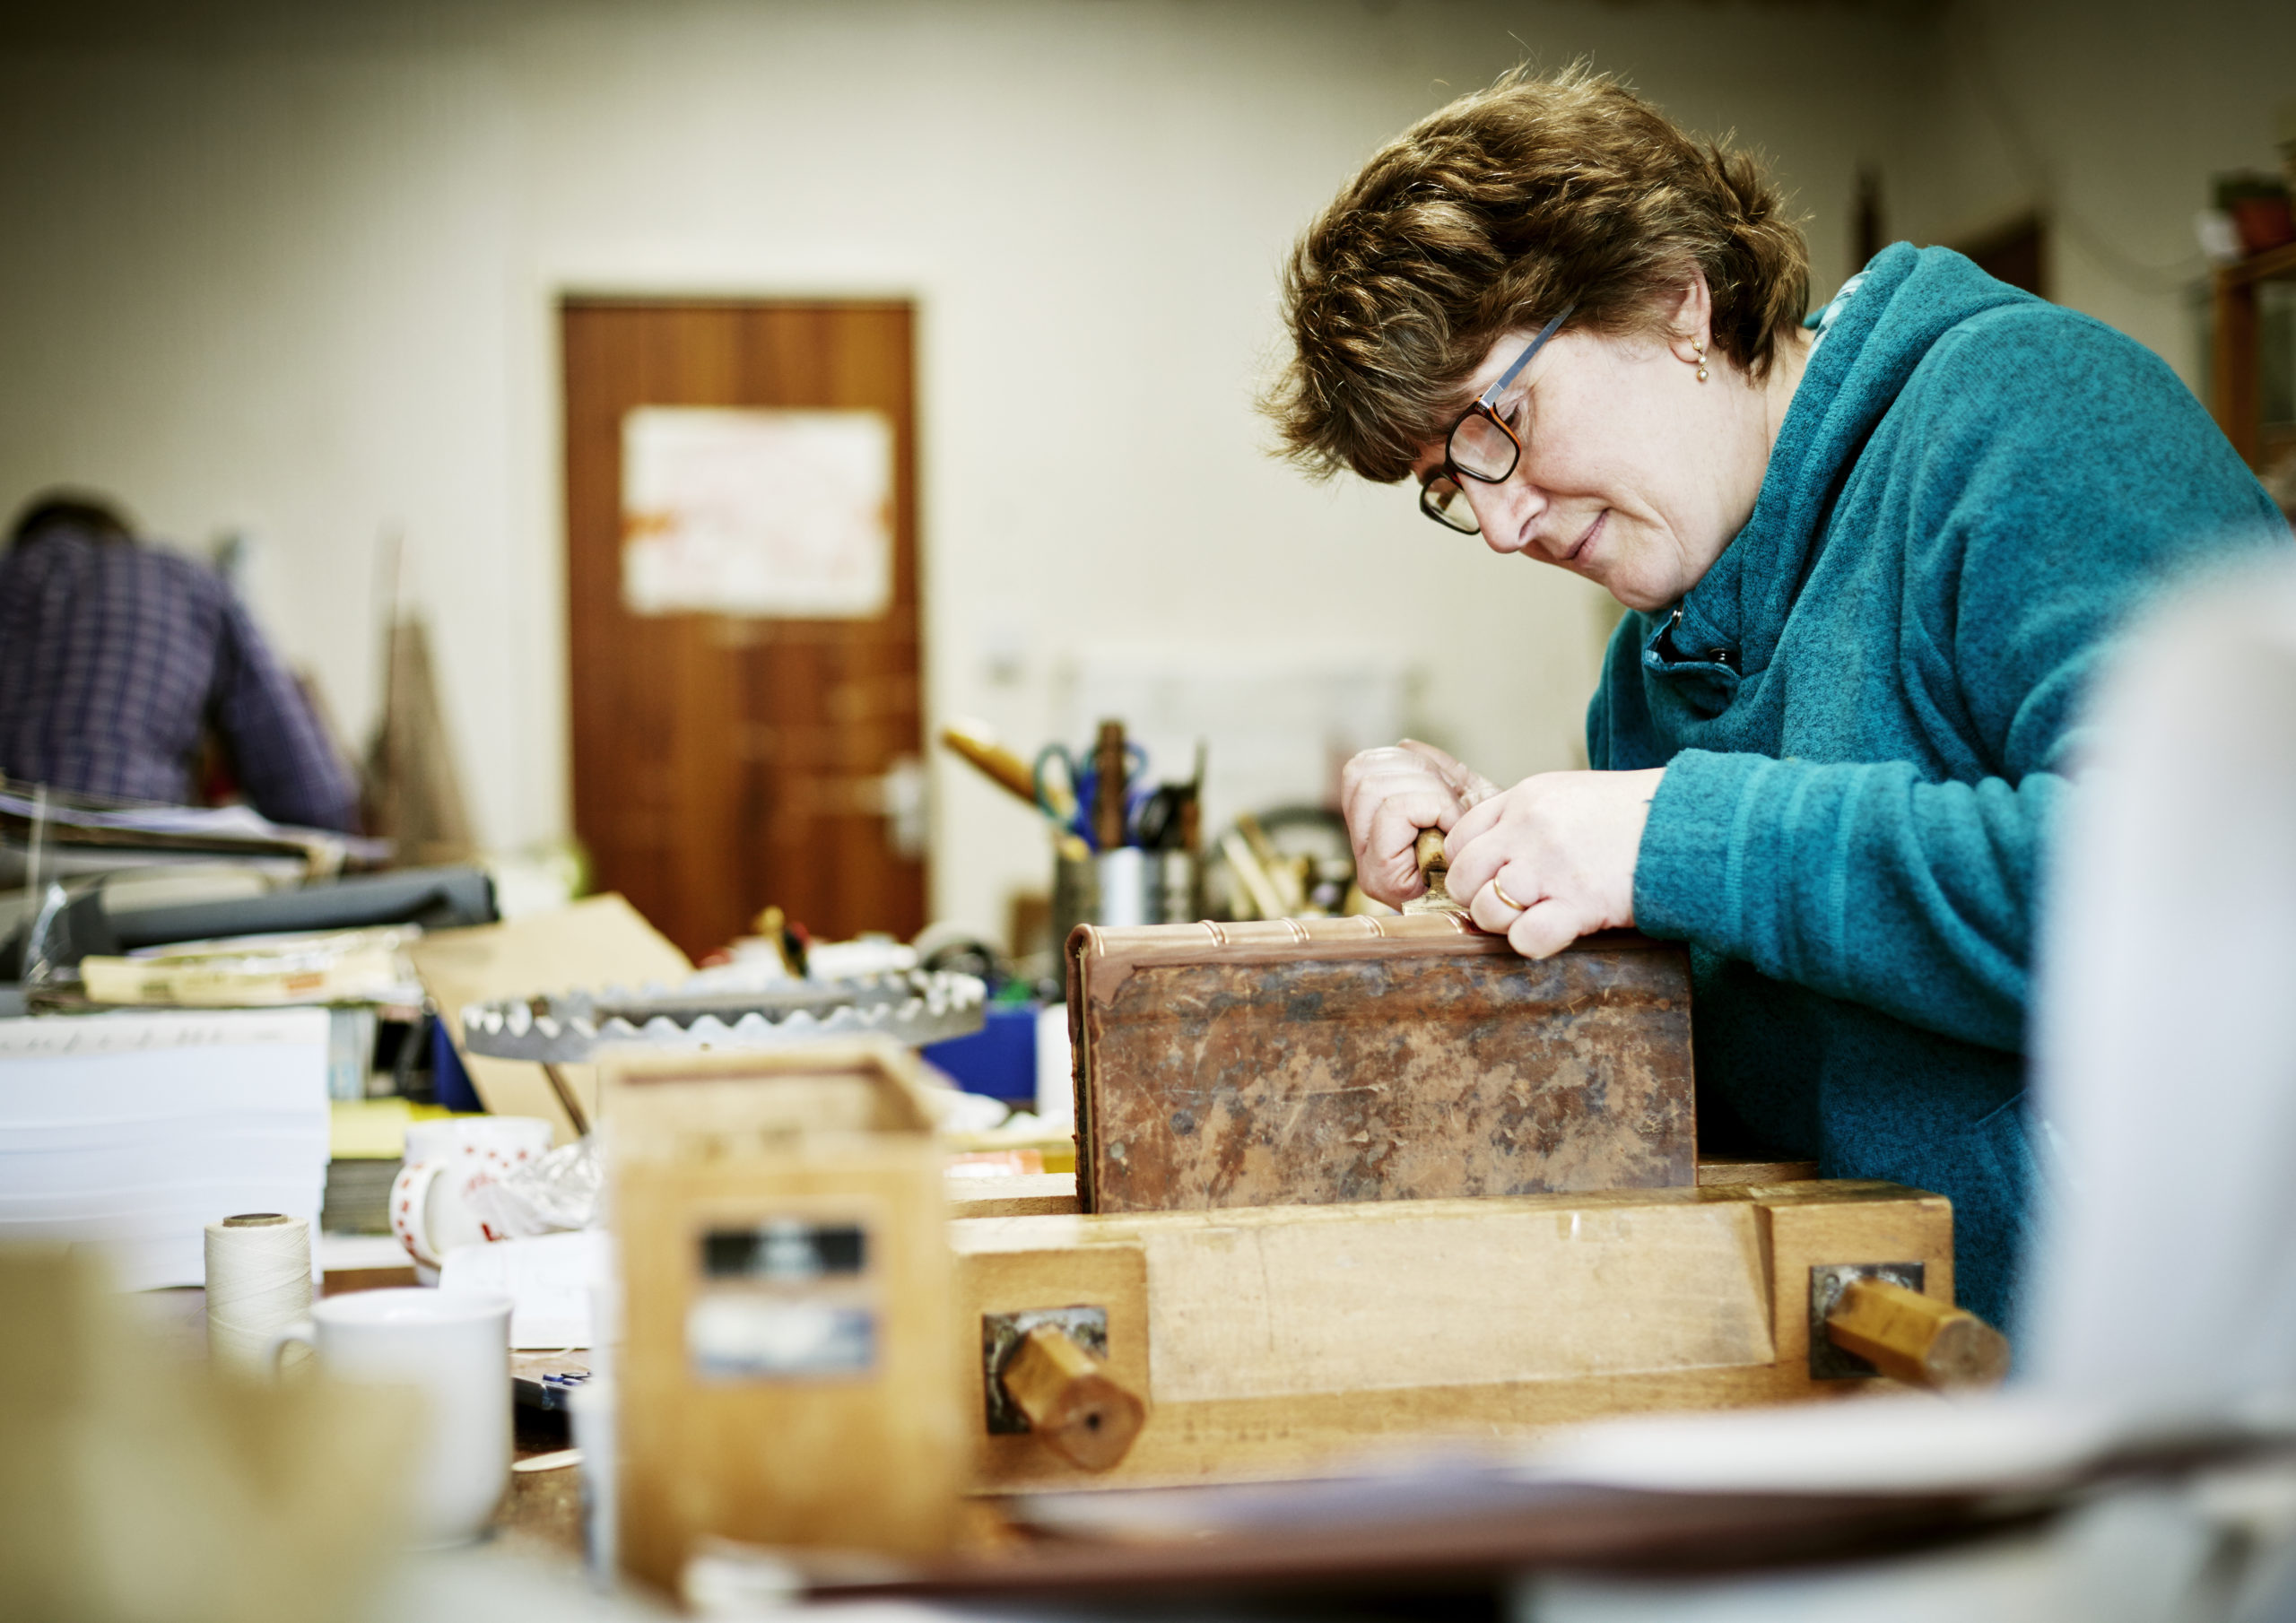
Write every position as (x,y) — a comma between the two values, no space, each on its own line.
(1064,786)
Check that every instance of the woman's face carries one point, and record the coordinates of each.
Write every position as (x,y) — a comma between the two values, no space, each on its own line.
(1633,473)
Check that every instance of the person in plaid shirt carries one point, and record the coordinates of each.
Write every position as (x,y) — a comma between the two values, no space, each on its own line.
(115,657)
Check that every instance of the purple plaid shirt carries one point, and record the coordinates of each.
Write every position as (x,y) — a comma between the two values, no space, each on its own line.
(113,657)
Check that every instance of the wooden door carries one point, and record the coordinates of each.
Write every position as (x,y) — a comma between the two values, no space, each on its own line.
(724,764)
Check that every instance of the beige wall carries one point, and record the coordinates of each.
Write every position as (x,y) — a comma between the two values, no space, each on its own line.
(286,271)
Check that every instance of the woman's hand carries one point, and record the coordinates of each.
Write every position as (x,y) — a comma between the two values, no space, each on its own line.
(1388,796)
(1561,845)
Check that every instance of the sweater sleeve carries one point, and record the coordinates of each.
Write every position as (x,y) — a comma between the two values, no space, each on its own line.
(2032,532)
(1859,881)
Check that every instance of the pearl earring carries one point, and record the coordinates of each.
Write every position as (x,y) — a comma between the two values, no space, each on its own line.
(1699,345)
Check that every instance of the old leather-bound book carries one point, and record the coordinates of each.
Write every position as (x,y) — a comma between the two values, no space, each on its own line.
(1313,1061)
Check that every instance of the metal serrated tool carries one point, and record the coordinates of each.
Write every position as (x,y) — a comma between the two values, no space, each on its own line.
(912,1006)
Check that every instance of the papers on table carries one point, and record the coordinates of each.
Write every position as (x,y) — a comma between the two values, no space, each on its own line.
(134,1130)
(327,967)
(72,820)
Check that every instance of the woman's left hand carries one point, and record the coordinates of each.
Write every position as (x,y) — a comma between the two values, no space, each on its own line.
(1562,847)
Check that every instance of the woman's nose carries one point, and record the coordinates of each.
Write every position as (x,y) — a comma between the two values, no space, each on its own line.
(1506,511)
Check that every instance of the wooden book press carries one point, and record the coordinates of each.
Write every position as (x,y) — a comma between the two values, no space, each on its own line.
(1342,1185)
(1349,1182)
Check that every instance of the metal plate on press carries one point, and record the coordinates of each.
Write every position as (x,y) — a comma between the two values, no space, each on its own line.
(1828,1281)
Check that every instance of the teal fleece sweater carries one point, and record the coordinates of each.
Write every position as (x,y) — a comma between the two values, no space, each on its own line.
(1868,711)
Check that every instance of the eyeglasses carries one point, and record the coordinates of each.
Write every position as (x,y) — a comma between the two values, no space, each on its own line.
(1480,446)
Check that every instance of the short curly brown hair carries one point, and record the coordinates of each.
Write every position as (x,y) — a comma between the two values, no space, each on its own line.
(1487,217)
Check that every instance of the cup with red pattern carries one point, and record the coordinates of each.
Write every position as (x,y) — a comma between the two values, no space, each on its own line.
(446,1160)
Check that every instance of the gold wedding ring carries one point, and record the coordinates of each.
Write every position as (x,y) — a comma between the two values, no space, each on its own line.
(1499,891)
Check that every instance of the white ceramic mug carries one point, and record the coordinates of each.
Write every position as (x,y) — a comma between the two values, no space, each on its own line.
(430,1211)
(456,1349)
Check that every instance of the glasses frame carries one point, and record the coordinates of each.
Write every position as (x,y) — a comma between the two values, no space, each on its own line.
(1486,407)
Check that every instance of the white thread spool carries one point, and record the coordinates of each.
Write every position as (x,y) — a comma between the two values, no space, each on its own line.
(258,1283)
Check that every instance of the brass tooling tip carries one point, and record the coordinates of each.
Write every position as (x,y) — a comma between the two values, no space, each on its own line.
(1434,868)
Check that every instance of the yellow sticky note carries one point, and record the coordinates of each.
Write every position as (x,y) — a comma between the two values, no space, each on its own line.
(375,1130)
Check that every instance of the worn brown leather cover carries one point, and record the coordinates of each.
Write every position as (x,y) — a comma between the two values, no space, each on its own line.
(1311,1061)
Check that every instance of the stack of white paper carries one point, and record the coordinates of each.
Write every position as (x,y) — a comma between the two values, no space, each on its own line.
(134,1131)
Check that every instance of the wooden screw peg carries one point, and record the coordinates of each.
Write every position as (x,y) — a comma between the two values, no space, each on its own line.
(1434,867)
(1917,1338)
(1070,1400)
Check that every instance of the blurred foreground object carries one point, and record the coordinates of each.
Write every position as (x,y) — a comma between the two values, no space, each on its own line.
(134,1489)
(2165,1052)
(788,1374)
(1892,1511)
(451,1348)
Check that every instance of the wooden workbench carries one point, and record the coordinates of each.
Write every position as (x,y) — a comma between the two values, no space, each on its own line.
(544,1507)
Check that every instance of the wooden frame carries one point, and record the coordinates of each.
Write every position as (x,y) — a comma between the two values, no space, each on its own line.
(818,1147)
(1277,1341)
(2239,399)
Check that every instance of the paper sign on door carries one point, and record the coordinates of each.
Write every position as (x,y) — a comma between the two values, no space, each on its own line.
(781,514)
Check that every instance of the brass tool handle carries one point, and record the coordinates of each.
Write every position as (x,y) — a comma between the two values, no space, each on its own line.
(998,764)
(1433,867)
(1071,1400)
(1917,1338)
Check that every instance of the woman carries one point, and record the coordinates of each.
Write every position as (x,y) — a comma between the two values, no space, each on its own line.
(1870,569)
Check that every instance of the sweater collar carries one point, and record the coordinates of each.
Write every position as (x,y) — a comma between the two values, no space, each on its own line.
(1871,337)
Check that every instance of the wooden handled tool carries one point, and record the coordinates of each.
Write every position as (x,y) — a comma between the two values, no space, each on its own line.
(1109,786)
(1915,1338)
(1071,1400)
(1434,868)
(974,742)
